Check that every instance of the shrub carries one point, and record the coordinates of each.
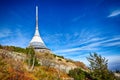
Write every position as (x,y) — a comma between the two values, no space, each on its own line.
(79,74)
(59,59)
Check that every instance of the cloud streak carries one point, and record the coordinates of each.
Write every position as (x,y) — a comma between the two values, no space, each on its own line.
(16,38)
(93,44)
(114,13)
(78,18)
(75,49)
(5,33)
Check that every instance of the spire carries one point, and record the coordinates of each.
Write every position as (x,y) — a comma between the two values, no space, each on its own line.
(36,17)
(37,31)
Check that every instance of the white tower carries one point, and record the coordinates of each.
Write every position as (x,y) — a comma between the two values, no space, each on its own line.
(37,42)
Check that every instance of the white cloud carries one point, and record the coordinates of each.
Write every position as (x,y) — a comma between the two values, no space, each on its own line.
(113,44)
(93,44)
(113,58)
(114,13)
(76,49)
(17,39)
(113,41)
(83,37)
(5,33)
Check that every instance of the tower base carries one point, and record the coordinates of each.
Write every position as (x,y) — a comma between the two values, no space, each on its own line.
(42,50)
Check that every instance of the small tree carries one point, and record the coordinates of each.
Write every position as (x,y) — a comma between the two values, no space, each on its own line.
(31,58)
(99,69)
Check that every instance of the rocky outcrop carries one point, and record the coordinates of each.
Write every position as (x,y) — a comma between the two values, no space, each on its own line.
(14,55)
(44,60)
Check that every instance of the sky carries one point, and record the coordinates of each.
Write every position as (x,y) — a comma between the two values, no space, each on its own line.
(70,28)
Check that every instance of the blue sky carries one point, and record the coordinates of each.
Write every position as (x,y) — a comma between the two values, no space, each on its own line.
(71,28)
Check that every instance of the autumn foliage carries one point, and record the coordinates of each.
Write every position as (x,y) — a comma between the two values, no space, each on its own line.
(13,70)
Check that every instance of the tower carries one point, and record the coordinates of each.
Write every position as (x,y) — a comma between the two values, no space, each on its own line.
(37,42)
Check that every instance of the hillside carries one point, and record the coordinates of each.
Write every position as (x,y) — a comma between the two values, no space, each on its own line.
(14,65)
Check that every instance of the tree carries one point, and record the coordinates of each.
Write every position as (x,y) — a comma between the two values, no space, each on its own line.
(99,68)
(31,58)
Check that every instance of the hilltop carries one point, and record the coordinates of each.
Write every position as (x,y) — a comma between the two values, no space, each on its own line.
(17,63)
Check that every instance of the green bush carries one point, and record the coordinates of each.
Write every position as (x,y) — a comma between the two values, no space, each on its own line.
(58,56)
(79,74)
(13,48)
(67,60)
(59,60)
(61,57)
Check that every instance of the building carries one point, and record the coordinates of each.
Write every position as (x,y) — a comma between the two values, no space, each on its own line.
(37,42)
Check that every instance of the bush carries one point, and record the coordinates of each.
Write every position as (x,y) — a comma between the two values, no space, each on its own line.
(13,48)
(67,60)
(79,74)
(54,55)
(60,57)
(59,60)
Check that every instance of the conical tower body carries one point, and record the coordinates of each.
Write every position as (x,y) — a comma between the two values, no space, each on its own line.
(37,42)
